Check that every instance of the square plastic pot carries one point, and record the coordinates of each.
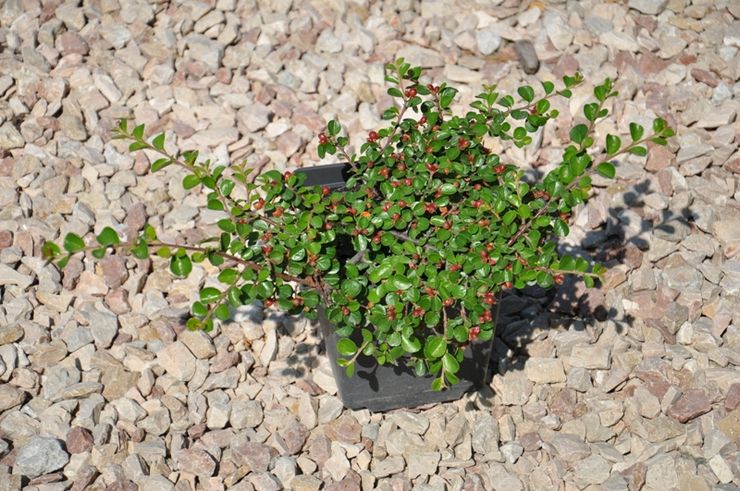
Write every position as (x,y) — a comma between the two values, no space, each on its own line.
(385,387)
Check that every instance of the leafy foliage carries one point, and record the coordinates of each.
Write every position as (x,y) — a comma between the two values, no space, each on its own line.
(435,223)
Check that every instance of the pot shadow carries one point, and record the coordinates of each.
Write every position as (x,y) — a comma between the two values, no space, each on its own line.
(622,238)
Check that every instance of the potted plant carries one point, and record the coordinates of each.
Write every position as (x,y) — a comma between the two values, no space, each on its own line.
(403,250)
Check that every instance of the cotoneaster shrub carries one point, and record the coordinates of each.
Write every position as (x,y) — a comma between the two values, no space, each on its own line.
(409,259)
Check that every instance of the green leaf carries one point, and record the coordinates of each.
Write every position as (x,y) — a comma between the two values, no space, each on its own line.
(215,204)
(63,262)
(350,370)
(222,312)
(445,98)
(226,186)
(606,169)
(578,133)
(209,294)
(659,124)
(438,384)
(641,151)
(49,250)
(346,347)
(567,263)
(181,265)
(108,237)
(158,142)
(139,132)
(526,92)
(98,253)
(450,364)
(190,181)
(395,92)
(141,251)
(591,111)
(612,144)
(636,131)
(228,276)
(435,347)
(401,283)
(561,228)
(548,86)
(73,243)
(411,345)
(334,128)
(448,188)
(351,288)
(160,164)
(381,272)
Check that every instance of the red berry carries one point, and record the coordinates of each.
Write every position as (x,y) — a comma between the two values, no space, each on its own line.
(287,174)
(396,216)
(508,284)
(423,120)
(463,144)
(268,302)
(395,184)
(432,168)
(373,136)
(259,204)
(278,212)
(410,92)
(266,250)
(448,302)
(473,333)
(408,182)
(323,138)
(559,279)
(430,208)
(402,203)
(345,311)
(499,169)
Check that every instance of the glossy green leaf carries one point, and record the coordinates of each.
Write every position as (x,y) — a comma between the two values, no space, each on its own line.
(450,364)
(578,133)
(613,143)
(606,169)
(181,266)
(346,347)
(526,92)
(108,237)
(209,294)
(636,131)
(158,142)
(435,347)
(411,345)
(73,243)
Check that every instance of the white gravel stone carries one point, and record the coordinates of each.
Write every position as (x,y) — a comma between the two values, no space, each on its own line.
(177,359)
(39,456)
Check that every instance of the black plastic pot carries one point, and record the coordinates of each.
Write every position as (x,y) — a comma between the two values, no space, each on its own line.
(384,387)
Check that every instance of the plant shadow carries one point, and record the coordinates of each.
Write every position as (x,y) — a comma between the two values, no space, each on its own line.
(622,238)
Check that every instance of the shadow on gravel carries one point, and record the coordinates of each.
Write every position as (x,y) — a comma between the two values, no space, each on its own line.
(623,238)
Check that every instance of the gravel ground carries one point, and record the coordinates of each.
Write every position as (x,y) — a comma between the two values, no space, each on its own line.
(634,386)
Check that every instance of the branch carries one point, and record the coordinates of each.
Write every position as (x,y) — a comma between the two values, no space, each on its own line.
(248,264)
(402,236)
(591,170)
